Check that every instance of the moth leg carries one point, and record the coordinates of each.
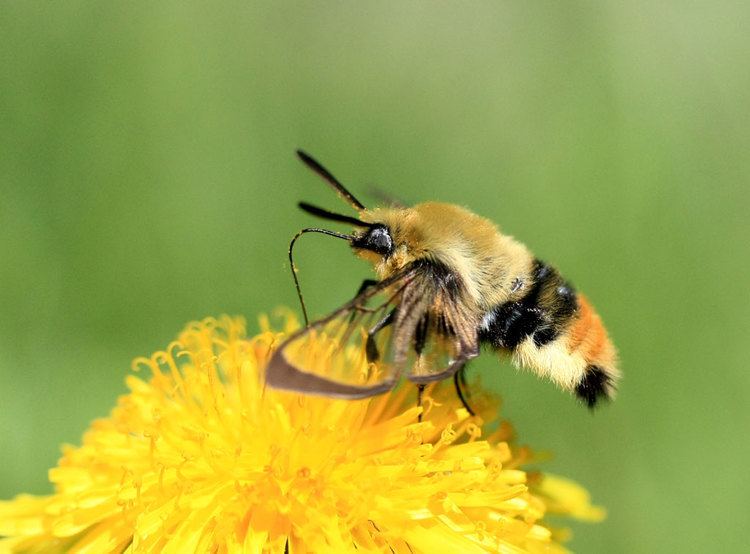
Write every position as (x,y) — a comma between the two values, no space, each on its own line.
(420,393)
(371,349)
(459,381)
(366,283)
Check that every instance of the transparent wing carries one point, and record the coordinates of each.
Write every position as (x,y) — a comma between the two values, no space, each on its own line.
(407,322)
(351,352)
(442,335)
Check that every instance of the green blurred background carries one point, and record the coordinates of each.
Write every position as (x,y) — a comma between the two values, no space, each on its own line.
(147,178)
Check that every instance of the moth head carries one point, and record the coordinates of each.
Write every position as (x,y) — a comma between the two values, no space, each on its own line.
(391,241)
(377,233)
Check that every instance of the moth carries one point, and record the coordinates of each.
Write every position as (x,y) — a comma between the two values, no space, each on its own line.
(449,282)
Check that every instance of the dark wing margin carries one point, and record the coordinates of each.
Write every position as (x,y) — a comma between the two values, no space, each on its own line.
(410,320)
(338,355)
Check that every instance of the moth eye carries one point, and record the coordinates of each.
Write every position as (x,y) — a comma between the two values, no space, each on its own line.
(380,239)
(377,239)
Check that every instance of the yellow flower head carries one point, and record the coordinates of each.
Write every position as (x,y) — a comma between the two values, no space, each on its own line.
(201,457)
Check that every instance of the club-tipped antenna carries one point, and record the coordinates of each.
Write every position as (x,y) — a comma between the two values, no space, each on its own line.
(294,268)
(332,216)
(313,164)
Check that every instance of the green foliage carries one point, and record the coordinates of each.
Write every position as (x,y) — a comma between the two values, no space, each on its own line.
(147,178)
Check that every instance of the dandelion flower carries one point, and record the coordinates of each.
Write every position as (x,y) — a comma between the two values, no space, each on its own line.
(199,456)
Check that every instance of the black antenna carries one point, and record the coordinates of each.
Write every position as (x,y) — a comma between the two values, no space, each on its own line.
(325,214)
(294,268)
(313,164)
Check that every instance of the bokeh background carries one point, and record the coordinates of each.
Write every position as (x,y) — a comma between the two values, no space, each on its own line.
(147,179)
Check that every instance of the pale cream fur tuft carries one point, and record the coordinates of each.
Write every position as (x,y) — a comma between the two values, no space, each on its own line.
(552,361)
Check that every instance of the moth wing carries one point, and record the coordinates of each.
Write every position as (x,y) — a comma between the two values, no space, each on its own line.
(339,355)
(441,333)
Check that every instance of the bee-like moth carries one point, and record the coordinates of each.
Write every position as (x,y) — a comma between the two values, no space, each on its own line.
(448,282)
